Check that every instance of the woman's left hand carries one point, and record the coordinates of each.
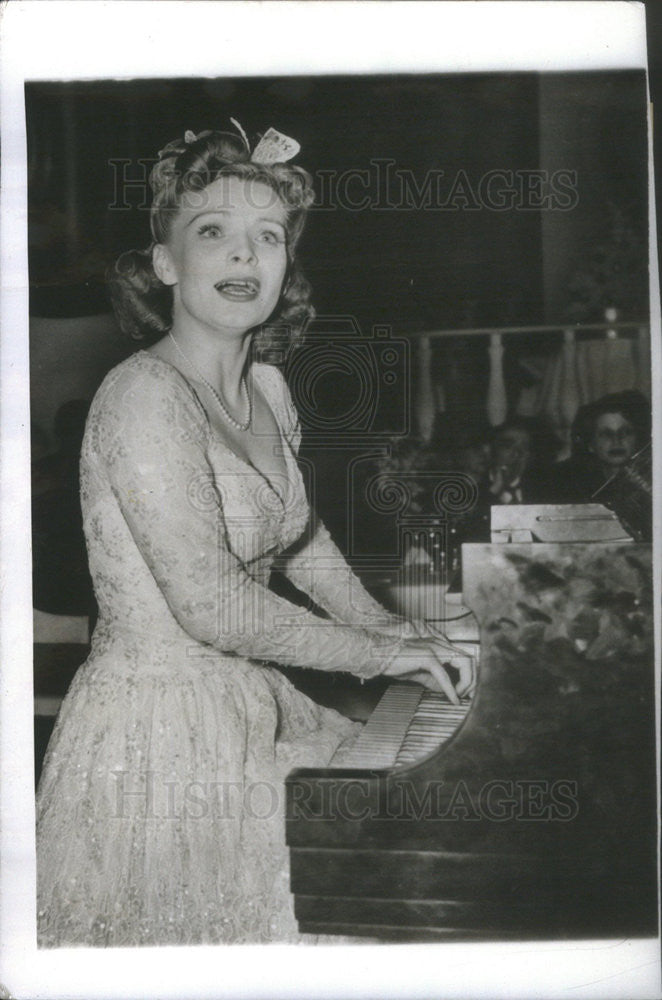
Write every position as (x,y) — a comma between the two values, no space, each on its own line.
(431,637)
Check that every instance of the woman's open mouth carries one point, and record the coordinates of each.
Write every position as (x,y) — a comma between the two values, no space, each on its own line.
(239,289)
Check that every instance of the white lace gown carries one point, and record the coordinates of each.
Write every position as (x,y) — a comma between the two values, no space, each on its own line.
(160,812)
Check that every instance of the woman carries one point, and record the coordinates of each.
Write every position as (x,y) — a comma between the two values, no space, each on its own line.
(160,804)
(611,460)
(606,434)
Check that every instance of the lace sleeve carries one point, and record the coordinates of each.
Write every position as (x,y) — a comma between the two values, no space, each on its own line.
(152,444)
(316,566)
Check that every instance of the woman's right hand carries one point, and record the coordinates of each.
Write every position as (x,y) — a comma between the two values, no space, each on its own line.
(419,661)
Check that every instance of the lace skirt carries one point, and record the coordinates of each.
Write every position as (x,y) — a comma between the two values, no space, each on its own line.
(160,810)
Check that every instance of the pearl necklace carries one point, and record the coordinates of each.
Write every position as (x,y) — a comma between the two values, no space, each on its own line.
(217,396)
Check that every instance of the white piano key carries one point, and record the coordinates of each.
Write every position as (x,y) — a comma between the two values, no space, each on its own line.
(407,724)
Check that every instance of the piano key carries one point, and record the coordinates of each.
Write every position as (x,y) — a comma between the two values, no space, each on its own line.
(408,723)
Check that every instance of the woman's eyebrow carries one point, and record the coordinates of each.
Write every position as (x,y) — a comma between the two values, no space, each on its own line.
(272,221)
(226,211)
(207,211)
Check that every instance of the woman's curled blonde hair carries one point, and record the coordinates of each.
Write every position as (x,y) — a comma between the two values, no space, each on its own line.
(143,304)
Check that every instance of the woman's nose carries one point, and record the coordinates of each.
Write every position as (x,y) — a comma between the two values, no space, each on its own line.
(242,251)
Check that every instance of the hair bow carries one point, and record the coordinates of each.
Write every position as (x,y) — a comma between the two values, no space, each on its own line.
(273,147)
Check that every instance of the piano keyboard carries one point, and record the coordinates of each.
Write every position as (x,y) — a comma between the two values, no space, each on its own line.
(435,720)
(407,724)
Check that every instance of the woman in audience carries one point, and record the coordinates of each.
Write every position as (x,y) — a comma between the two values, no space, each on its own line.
(606,435)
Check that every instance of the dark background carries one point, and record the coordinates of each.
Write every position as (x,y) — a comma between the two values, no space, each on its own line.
(460,265)
(407,269)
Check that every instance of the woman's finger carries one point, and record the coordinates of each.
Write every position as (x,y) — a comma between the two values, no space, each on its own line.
(467,692)
(443,658)
(433,663)
(439,673)
(462,661)
(465,666)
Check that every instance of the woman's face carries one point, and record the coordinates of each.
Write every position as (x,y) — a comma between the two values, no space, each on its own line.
(226,256)
(613,441)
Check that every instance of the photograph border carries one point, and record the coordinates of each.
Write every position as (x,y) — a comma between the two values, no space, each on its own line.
(129,39)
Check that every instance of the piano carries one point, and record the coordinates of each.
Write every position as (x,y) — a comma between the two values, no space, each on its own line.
(529,812)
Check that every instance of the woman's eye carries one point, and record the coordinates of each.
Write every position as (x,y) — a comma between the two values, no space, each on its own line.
(210,230)
(269,236)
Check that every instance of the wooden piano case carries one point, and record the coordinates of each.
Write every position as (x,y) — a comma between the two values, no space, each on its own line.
(537,819)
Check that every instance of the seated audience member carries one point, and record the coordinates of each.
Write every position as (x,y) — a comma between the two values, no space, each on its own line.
(519,471)
(522,452)
(606,435)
